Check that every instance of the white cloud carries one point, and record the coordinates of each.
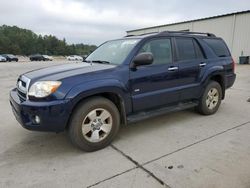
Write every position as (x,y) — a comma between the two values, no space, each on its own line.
(96,21)
(81,12)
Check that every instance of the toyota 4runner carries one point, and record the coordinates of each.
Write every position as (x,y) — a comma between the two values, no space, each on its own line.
(125,81)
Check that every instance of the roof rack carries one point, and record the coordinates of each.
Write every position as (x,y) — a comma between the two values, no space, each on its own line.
(176,32)
(143,34)
(187,33)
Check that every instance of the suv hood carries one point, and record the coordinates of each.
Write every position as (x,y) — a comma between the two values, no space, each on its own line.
(59,72)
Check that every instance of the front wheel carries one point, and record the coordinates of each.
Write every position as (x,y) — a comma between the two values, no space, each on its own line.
(211,99)
(94,124)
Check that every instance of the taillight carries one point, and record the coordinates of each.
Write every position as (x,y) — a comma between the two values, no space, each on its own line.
(233,61)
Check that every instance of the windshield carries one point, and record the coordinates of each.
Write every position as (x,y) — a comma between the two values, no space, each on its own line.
(113,52)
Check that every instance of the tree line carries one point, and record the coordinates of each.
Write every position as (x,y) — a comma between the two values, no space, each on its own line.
(15,40)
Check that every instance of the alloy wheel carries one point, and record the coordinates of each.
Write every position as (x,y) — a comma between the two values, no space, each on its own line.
(212,98)
(97,125)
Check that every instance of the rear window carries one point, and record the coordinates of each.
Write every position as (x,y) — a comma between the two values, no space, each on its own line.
(218,46)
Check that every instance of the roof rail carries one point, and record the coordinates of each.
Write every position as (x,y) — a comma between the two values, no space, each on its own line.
(129,35)
(143,34)
(175,32)
(187,33)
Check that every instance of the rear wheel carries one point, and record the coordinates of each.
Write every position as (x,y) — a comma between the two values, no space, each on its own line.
(94,124)
(211,99)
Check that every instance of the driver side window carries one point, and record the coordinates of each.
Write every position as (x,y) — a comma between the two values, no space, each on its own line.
(161,50)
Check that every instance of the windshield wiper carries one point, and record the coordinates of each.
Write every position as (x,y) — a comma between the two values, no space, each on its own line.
(86,61)
(99,61)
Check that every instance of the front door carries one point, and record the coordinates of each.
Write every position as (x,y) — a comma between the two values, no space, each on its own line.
(154,85)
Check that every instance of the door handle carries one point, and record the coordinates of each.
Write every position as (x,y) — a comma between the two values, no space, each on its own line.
(173,68)
(203,64)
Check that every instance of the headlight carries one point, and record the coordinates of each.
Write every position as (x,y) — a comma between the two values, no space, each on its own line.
(43,88)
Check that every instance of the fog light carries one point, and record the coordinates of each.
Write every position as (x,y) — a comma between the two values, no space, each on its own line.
(37,119)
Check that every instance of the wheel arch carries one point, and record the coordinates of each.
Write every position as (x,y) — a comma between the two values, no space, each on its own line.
(217,77)
(116,94)
(217,74)
(113,97)
(221,80)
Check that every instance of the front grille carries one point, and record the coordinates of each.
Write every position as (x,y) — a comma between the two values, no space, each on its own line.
(21,94)
(23,86)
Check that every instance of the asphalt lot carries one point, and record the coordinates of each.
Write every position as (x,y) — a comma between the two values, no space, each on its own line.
(182,149)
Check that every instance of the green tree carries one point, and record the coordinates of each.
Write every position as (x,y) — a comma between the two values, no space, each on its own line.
(20,41)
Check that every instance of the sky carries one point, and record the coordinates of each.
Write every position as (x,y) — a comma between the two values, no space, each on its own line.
(95,21)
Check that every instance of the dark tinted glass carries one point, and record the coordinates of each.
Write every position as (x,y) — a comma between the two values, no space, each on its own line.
(218,46)
(161,50)
(186,50)
(199,53)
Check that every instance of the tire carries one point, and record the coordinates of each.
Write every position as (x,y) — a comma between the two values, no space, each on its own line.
(87,132)
(210,101)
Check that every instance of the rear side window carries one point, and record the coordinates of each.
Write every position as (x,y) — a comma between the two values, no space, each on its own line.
(186,49)
(218,46)
(199,53)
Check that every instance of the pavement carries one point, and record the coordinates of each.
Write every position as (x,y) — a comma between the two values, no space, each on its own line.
(182,149)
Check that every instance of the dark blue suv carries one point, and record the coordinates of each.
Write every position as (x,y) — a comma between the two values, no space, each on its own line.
(124,81)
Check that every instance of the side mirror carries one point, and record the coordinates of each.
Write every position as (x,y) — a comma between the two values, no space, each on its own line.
(145,58)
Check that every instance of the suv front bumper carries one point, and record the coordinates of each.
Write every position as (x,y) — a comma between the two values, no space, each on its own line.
(52,115)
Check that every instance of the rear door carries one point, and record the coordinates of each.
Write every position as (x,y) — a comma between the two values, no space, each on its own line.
(154,85)
(191,63)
